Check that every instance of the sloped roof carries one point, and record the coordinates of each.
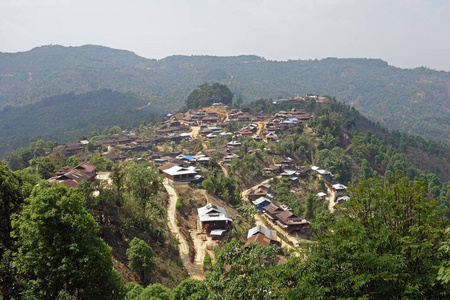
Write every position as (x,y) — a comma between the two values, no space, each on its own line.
(86,167)
(260,200)
(339,186)
(272,208)
(258,238)
(211,212)
(178,170)
(272,234)
(289,218)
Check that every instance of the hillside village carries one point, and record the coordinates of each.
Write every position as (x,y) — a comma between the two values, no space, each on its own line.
(265,174)
(230,127)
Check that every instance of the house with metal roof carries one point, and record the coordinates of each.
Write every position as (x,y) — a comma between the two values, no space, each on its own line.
(214,219)
(261,202)
(179,173)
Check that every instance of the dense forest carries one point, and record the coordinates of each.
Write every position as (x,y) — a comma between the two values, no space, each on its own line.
(410,100)
(110,240)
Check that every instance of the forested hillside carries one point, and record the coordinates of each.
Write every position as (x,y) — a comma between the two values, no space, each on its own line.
(66,117)
(411,100)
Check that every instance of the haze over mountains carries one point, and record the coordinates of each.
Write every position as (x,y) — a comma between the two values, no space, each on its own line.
(411,100)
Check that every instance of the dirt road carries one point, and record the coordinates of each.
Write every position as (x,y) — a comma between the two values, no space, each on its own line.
(330,200)
(224,170)
(194,269)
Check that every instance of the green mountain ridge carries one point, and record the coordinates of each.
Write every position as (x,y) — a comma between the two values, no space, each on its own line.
(411,100)
(68,116)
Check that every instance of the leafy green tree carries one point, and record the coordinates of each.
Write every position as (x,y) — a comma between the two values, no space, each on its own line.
(143,183)
(206,95)
(190,289)
(11,199)
(58,248)
(155,292)
(103,164)
(242,273)
(141,257)
(383,243)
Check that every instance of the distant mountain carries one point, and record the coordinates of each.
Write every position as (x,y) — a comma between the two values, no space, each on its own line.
(411,100)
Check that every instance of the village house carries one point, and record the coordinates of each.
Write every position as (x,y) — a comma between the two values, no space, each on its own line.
(271,136)
(180,174)
(341,200)
(271,211)
(262,236)
(72,176)
(321,196)
(246,132)
(261,203)
(229,157)
(234,144)
(73,148)
(274,169)
(255,194)
(339,189)
(291,222)
(323,173)
(214,219)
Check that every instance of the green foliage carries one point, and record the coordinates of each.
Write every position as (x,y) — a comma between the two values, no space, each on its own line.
(337,162)
(190,289)
(141,257)
(155,292)
(223,187)
(103,164)
(65,117)
(242,273)
(11,199)
(206,95)
(384,241)
(58,248)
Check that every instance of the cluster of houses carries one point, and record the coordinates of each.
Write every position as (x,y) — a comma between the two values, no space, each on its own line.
(281,216)
(215,222)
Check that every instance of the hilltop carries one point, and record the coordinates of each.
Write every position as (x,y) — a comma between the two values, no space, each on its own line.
(411,100)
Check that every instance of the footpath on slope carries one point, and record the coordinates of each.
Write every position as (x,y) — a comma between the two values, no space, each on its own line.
(330,199)
(224,170)
(194,269)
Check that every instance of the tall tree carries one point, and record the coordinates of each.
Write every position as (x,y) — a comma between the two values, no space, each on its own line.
(11,199)
(58,248)
(140,255)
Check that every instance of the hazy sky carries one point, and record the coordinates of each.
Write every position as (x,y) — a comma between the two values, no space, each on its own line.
(405,33)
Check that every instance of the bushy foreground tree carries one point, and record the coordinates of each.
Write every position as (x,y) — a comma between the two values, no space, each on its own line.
(383,243)
(11,199)
(58,248)
(141,257)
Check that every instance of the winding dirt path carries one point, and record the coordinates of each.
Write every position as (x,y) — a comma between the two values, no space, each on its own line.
(224,170)
(330,200)
(194,269)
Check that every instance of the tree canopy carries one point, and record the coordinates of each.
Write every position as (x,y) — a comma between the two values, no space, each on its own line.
(383,243)
(58,248)
(207,94)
